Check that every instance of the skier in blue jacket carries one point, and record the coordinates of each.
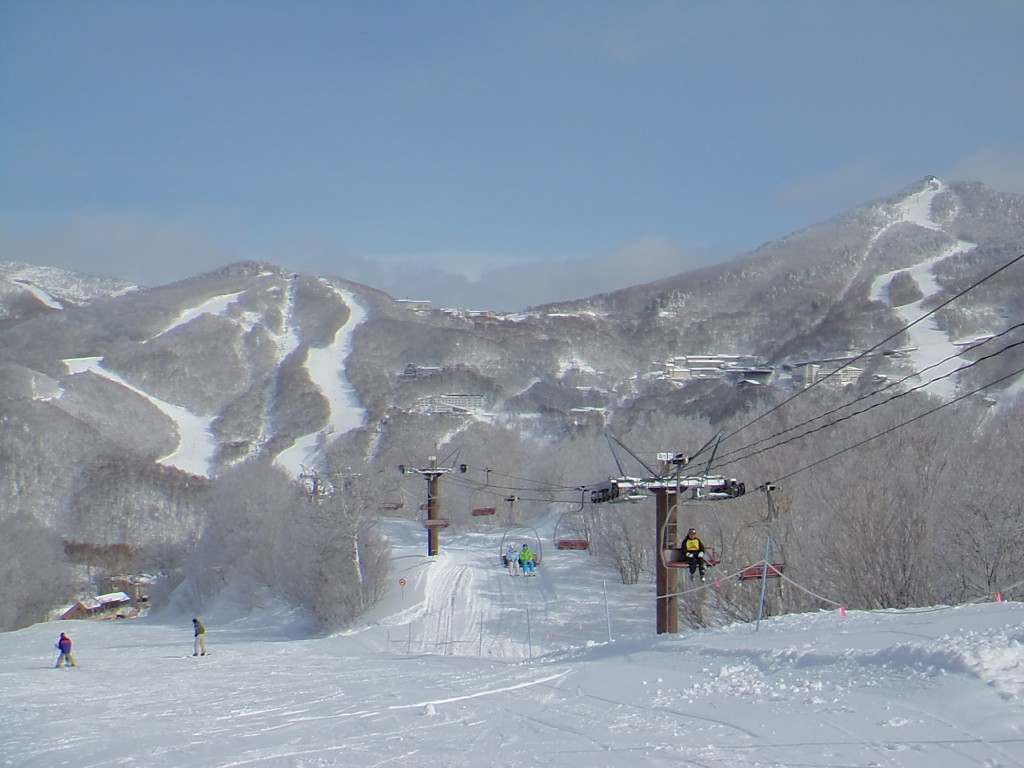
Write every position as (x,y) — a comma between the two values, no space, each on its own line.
(64,646)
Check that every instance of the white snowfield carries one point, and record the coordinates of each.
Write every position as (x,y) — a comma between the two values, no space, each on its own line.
(468,666)
(196,446)
(326,366)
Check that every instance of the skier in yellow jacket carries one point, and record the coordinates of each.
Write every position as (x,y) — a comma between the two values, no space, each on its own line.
(693,553)
(199,648)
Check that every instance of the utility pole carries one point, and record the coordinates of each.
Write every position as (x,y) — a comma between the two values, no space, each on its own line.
(666,578)
(512,499)
(666,535)
(434,522)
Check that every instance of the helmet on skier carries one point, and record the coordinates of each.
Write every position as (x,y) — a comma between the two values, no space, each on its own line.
(692,532)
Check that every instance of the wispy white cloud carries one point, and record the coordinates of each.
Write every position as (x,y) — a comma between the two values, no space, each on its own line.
(504,285)
(843,185)
(144,248)
(149,249)
(1000,167)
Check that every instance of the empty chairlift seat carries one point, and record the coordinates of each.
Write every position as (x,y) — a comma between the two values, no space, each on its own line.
(758,571)
(572,544)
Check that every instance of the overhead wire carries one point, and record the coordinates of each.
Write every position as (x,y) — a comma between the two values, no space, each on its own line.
(503,492)
(541,483)
(846,417)
(726,458)
(870,350)
(902,424)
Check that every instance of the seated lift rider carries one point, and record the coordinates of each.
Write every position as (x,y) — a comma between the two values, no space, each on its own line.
(692,550)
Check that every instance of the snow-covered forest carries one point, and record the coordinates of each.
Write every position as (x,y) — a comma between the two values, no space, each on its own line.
(917,514)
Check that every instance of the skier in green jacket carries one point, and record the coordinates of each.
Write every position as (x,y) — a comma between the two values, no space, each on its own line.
(526,559)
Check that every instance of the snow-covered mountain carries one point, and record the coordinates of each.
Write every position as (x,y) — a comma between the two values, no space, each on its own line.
(115,397)
(27,290)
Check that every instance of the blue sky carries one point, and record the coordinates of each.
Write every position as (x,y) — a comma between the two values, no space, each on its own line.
(483,154)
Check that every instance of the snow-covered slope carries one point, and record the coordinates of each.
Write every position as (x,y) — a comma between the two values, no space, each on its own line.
(929,347)
(326,367)
(53,286)
(468,666)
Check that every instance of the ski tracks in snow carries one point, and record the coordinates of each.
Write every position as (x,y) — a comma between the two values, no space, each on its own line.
(472,607)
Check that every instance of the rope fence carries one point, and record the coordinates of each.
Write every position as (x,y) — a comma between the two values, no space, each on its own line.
(774,572)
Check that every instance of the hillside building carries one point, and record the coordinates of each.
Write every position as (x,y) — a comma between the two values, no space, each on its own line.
(456,403)
(734,368)
(806,374)
(99,607)
(413,371)
(414,305)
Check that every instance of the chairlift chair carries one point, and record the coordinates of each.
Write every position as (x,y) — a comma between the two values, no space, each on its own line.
(774,571)
(515,534)
(565,541)
(671,552)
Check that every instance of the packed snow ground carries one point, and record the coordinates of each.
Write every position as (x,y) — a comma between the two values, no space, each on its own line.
(466,665)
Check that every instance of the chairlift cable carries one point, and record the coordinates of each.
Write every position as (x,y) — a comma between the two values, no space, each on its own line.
(494,472)
(704,447)
(727,457)
(624,447)
(887,401)
(899,426)
(889,338)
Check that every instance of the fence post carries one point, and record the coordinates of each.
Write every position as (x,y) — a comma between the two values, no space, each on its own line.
(764,578)
(529,635)
(607,613)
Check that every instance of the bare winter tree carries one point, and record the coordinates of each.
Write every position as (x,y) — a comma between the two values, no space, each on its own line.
(34,574)
(347,560)
(624,539)
(982,525)
(867,502)
(246,511)
(264,537)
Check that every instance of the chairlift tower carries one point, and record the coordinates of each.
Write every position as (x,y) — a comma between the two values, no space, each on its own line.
(433,522)
(667,488)
(512,499)
(666,579)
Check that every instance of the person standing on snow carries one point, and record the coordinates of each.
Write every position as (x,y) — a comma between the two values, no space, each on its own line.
(64,646)
(199,648)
